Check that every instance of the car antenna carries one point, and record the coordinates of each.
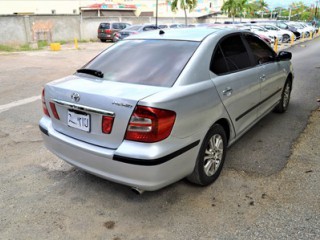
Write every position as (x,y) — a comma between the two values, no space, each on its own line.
(161,32)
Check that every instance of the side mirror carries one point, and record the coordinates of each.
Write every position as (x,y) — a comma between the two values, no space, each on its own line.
(284,56)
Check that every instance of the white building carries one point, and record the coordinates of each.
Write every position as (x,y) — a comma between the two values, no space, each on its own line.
(22,7)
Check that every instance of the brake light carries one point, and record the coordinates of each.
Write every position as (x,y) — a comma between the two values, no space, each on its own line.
(150,125)
(44,107)
(54,110)
(107,31)
(107,123)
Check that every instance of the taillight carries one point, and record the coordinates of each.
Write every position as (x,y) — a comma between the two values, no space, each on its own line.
(107,123)
(149,124)
(107,31)
(54,110)
(44,107)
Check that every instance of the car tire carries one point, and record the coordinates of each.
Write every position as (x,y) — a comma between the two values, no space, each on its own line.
(211,157)
(285,38)
(285,98)
(103,40)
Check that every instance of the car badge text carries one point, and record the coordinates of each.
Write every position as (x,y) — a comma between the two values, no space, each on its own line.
(122,104)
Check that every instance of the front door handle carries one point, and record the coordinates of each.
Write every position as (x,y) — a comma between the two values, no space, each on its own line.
(263,77)
(227,91)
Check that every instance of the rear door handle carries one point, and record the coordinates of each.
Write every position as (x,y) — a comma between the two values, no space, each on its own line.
(227,92)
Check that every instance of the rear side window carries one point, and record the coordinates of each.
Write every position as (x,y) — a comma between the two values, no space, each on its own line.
(235,53)
(104,25)
(218,63)
(149,28)
(116,26)
(262,53)
(147,62)
(122,25)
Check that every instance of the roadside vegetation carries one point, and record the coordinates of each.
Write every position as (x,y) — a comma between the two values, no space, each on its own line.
(28,47)
(297,11)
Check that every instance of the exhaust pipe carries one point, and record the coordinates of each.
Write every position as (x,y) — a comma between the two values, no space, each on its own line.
(137,191)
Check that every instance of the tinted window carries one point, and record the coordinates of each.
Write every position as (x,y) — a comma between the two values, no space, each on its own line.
(148,62)
(218,63)
(235,53)
(149,28)
(116,25)
(104,25)
(122,25)
(262,53)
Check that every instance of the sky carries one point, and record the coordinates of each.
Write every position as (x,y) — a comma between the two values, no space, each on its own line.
(285,3)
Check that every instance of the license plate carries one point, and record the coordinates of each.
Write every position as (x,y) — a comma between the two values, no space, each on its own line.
(79,121)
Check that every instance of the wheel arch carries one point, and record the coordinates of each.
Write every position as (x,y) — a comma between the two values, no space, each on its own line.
(226,126)
(290,79)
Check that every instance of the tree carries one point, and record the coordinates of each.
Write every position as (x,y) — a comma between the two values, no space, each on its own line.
(184,4)
(230,7)
(262,5)
(243,6)
(236,7)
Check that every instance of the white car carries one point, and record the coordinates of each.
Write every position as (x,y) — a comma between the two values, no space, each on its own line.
(286,35)
(301,29)
(262,31)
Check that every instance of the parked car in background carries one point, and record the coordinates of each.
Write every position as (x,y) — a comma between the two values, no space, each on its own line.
(164,105)
(163,26)
(178,25)
(134,29)
(261,31)
(286,35)
(286,26)
(106,30)
(304,31)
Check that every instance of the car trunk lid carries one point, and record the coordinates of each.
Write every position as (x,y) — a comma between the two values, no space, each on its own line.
(82,102)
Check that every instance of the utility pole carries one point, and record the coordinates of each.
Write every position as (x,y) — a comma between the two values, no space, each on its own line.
(289,13)
(157,13)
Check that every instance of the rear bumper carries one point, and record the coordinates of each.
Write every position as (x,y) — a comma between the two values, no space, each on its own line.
(148,174)
(105,36)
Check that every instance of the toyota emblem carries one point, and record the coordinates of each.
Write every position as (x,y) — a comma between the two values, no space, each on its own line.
(75,97)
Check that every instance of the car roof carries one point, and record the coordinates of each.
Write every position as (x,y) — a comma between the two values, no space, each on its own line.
(187,34)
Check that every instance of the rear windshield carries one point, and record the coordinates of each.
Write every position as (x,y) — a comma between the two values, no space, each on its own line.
(104,25)
(147,62)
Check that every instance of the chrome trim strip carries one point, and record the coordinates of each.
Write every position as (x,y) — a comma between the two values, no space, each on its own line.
(83,108)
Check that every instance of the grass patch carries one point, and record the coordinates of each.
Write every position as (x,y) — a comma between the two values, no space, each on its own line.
(42,44)
(25,47)
(5,48)
(62,42)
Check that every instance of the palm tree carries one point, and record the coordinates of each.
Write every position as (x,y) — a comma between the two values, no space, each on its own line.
(184,4)
(262,5)
(236,7)
(230,6)
(243,6)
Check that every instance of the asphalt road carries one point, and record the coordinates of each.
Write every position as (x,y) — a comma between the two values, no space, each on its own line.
(269,188)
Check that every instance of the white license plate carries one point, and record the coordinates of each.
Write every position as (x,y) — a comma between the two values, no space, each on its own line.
(79,121)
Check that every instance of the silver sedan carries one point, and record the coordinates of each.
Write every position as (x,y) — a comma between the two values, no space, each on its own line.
(164,105)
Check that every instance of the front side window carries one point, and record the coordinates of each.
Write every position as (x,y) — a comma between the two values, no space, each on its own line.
(147,62)
(262,53)
(235,53)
